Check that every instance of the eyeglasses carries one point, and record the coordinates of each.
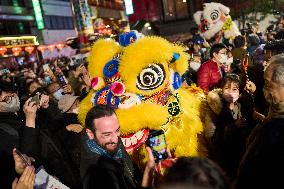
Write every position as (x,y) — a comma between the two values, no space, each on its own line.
(8,99)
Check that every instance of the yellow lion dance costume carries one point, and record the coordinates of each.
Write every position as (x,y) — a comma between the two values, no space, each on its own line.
(141,80)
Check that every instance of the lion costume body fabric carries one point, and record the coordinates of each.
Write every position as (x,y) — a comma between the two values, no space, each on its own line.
(215,21)
(140,78)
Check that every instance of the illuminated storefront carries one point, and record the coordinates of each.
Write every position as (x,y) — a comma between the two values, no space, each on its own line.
(17,50)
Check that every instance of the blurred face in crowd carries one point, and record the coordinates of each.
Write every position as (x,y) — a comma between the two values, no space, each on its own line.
(33,87)
(227,66)
(221,57)
(231,92)
(9,102)
(55,90)
(273,92)
(106,132)
(195,62)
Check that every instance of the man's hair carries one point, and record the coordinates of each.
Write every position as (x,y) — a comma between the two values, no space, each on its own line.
(97,112)
(7,86)
(276,66)
(197,172)
(216,48)
(230,78)
(239,41)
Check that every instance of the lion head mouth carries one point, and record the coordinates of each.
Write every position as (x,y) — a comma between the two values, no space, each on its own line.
(132,142)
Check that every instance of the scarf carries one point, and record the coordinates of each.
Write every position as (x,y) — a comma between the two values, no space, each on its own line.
(94,147)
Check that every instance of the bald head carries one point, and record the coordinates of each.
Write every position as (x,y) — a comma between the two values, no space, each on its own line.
(274,79)
(276,69)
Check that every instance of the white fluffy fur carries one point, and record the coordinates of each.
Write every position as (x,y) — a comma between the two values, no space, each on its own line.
(216,25)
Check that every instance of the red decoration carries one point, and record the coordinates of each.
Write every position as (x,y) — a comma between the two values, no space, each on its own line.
(3,50)
(41,48)
(51,47)
(134,141)
(246,63)
(16,50)
(60,46)
(29,49)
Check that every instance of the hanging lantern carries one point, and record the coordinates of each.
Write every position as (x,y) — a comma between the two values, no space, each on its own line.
(41,48)
(29,49)
(51,47)
(3,50)
(60,46)
(16,50)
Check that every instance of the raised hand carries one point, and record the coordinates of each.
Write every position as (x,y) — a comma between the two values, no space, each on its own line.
(77,128)
(67,89)
(20,164)
(30,109)
(26,180)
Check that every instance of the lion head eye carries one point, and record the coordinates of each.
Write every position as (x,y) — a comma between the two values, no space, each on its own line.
(214,15)
(151,77)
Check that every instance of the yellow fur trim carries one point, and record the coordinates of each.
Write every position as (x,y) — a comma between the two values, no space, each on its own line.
(181,64)
(182,135)
(102,52)
(149,116)
(85,106)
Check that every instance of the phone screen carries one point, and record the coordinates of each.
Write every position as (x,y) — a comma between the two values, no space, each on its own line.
(157,142)
(62,80)
(45,67)
(36,99)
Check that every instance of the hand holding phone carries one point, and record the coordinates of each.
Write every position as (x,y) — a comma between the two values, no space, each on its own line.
(36,99)
(62,80)
(21,161)
(46,68)
(157,142)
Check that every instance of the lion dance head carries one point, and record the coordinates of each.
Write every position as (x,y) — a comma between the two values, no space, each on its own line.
(214,21)
(141,79)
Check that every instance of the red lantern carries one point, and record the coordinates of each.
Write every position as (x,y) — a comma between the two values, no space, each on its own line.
(51,47)
(29,49)
(16,50)
(60,46)
(3,50)
(41,48)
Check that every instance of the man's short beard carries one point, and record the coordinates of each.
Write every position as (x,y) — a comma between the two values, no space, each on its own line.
(105,146)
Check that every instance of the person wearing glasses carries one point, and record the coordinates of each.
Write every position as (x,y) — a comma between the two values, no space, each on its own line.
(210,74)
(11,133)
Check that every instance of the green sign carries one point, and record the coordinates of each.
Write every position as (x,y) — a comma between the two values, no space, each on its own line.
(38,14)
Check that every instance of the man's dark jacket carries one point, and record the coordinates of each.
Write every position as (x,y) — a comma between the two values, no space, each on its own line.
(48,150)
(102,172)
(263,163)
(11,135)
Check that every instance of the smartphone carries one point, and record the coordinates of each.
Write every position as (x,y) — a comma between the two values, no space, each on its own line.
(157,142)
(36,99)
(62,80)
(46,67)
(23,158)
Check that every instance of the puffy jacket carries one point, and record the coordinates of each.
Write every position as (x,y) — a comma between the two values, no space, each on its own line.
(209,75)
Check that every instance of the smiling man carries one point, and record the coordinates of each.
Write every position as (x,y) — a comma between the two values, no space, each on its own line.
(105,163)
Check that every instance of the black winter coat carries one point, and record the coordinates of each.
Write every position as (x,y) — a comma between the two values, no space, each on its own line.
(263,163)
(49,151)
(229,141)
(11,135)
(102,172)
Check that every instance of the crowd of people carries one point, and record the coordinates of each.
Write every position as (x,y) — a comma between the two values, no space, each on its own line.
(244,85)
